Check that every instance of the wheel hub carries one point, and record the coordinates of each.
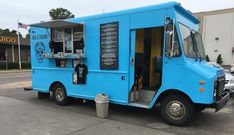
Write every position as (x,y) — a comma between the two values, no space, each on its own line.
(59,94)
(175,110)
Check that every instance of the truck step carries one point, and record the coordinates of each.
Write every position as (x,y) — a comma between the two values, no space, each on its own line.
(140,105)
(28,89)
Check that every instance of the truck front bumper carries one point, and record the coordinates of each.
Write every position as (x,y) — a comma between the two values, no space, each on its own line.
(222,102)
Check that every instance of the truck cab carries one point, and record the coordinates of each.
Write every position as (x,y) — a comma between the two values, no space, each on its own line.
(187,75)
(138,57)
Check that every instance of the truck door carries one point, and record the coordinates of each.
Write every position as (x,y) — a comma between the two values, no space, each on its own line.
(173,62)
(145,64)
(132,58)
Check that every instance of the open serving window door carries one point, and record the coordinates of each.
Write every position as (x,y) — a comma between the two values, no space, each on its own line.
(56,24)
(66,37)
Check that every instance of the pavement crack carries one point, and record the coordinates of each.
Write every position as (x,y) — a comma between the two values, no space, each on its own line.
(93,125)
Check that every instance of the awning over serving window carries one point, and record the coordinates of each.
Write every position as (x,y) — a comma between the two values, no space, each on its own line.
(57,24)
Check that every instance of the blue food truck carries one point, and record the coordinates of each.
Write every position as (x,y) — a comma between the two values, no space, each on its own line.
(140,57)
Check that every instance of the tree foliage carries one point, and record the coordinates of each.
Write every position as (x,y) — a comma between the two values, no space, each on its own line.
(60,13)
(207,58)
(219,59)
(28,35)
(8,33)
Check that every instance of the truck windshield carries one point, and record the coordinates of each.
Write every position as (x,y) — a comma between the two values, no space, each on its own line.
(192,42)
(189,49)
(199,44)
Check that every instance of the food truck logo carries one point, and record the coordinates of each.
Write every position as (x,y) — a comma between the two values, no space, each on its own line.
(40,49)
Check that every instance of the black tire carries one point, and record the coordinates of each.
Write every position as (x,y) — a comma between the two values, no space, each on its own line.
(199,108)
(60,95)
(42,95)
(171,104)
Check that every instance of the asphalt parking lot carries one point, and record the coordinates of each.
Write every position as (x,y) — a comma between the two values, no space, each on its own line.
(22,113)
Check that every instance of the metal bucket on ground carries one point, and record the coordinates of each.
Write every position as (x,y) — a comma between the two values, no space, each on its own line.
(102,105)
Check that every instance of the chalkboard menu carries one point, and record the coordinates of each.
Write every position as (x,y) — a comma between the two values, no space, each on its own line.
(109,34)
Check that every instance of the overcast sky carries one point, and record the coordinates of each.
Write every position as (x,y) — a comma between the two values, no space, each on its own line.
(31,11)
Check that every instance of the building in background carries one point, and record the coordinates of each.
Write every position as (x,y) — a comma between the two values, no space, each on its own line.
(217,28)
(9,49)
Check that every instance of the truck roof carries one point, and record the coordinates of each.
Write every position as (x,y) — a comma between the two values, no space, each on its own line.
(140,9)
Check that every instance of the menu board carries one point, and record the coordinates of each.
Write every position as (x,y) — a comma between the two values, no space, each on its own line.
(109,35)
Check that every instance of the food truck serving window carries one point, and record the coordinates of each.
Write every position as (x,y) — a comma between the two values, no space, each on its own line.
(66,37)
(67,40)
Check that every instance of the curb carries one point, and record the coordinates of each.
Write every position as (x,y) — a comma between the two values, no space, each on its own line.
(14,71)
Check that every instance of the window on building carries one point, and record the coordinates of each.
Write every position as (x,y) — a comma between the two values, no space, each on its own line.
(2,54)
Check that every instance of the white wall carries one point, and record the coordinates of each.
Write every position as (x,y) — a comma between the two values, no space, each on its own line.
(221,26)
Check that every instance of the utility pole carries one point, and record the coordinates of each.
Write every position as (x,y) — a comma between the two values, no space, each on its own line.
(6,56)
(19,44)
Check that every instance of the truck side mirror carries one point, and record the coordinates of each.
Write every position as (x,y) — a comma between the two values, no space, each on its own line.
(169,37)
(169,43)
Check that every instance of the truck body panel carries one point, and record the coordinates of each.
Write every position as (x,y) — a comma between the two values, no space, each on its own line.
(180,73)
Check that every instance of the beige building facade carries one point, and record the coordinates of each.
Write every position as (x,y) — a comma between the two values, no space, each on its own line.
(9,49)
(217,28)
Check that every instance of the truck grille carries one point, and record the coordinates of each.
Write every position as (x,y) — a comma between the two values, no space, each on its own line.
(220,84)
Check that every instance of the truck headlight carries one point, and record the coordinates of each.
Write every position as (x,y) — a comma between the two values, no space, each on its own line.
(226,81)
(232,81)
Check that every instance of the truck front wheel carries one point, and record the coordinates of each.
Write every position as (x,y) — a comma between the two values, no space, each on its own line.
(60,95)
(176,110)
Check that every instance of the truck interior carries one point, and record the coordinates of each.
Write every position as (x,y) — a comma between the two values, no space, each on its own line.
(148,64)
(66,41)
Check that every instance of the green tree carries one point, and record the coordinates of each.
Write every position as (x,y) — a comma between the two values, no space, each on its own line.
(28,35)
(207,58)
(60,13)
(8,33)
(219,59)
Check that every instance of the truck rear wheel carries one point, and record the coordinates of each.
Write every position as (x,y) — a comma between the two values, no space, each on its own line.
(60,95)
(176,110)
